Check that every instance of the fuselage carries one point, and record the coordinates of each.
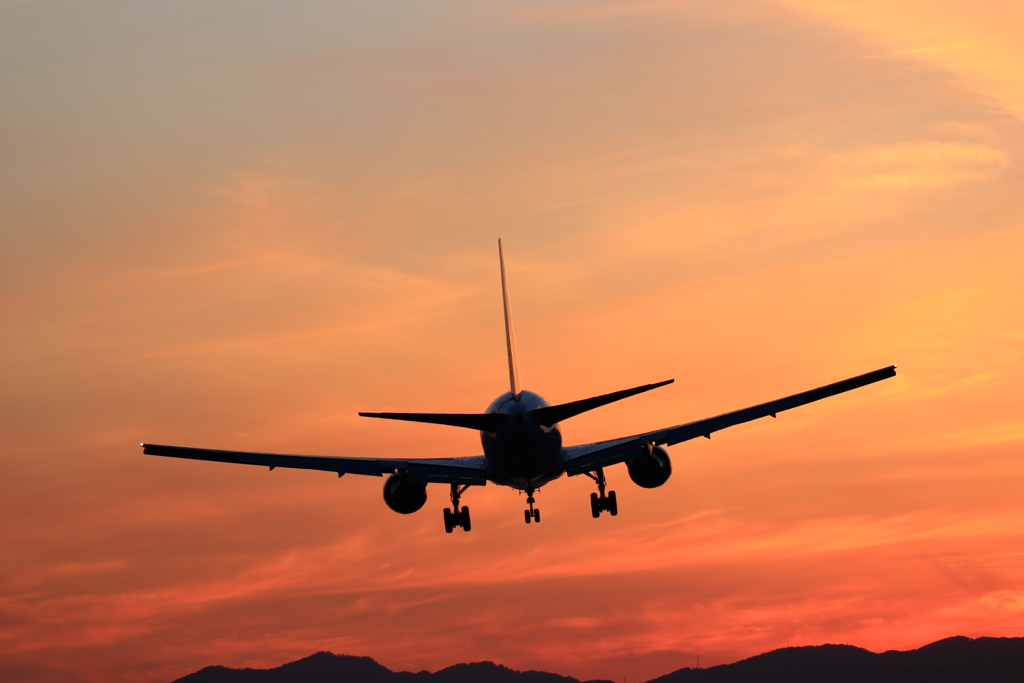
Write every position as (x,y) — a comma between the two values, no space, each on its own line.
(523,453)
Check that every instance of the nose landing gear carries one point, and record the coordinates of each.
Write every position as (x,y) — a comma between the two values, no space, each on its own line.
(460,517)
(531,515)
(599,502)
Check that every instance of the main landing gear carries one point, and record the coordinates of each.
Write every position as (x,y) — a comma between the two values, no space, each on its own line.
(602,502)
(459,518)
(531,515)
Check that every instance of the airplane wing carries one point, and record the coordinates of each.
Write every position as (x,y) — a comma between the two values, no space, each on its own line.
(472,470)
(589,457)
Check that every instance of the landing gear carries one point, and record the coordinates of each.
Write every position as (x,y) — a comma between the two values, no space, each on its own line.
(531,515)
(599,502)
(460,517)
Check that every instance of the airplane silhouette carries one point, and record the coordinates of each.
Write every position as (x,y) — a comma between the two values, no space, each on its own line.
(522,444)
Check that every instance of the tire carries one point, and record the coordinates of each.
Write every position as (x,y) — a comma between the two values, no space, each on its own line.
(595,506)
(529,517)
(613,504)
(536,516)
(449,523)
(466,524)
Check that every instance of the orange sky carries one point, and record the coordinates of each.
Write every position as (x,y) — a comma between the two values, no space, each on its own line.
(234,226)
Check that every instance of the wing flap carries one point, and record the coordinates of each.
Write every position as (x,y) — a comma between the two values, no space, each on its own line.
(589,457)
(444,472)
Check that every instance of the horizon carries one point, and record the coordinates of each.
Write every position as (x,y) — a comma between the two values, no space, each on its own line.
(236,226)
(684,668)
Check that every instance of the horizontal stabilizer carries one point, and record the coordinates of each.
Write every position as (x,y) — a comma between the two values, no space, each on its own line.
(554,414)
(482,422)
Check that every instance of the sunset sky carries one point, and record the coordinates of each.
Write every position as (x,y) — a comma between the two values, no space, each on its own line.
(236,224)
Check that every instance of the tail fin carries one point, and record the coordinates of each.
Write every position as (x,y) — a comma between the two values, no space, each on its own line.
(510,336)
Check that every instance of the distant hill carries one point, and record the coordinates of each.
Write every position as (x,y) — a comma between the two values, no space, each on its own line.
(324,667)
(953,660)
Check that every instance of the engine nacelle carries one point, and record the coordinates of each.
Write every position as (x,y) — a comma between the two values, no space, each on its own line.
(404,496)
(652,470)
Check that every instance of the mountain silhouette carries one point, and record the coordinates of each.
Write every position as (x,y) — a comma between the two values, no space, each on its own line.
(953,660)
(324,667)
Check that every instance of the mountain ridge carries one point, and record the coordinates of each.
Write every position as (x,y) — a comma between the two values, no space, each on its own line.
(326,667)
(951,660)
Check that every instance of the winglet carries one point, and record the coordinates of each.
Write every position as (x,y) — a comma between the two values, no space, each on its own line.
(510,336)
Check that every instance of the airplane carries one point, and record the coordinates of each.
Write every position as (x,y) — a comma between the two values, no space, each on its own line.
(522,444)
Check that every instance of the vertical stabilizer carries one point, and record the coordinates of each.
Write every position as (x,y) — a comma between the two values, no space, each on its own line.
(510,335)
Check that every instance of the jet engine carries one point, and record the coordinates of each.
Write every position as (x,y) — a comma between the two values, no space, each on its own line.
(652,470)
(402,495)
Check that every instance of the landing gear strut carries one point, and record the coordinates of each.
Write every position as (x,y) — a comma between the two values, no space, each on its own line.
(531,515)
(459,518)
(599,502)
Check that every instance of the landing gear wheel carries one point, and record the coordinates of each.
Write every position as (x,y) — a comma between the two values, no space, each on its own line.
(531,515)
(456,516)
(599,502)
